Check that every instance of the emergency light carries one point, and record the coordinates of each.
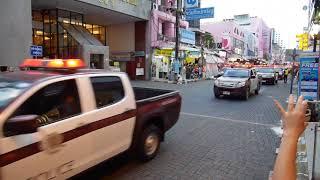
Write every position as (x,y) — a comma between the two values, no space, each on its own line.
(53,63)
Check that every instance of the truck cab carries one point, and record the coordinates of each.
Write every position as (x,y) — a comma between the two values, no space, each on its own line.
(57,123)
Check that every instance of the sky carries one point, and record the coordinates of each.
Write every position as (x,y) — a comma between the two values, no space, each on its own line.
(286,16)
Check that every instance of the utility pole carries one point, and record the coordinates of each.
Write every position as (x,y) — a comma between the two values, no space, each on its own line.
(294,55)
(178,14)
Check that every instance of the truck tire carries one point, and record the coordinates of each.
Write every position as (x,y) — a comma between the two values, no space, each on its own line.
(217,95)
(149,143)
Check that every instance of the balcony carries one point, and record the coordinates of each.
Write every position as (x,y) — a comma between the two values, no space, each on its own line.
(162,37)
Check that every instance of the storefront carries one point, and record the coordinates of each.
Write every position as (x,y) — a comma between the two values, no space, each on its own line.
(86,29)
(162,63)
(63,34)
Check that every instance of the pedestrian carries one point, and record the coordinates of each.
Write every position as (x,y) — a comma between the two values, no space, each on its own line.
(285,77)
(200,72)
(294,123)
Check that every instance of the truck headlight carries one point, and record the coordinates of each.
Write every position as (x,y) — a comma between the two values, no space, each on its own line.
(217,82)
(241,84)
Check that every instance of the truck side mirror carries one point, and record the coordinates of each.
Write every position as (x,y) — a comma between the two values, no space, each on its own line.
(23,124)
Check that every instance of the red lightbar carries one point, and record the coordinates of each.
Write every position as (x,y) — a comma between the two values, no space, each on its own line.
(53,63)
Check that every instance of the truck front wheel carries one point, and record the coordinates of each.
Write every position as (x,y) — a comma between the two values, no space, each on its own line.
(149,143)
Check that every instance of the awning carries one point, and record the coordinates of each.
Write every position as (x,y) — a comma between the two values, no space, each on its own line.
(213,59)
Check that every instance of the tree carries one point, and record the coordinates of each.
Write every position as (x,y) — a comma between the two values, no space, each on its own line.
(208,40)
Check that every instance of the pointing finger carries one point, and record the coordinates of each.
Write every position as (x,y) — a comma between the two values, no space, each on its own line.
(281,109)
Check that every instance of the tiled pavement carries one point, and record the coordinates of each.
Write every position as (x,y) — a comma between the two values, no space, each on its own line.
(214,138)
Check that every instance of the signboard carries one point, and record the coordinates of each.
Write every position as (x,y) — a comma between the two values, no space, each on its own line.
(191,3)
(308,78)
(199,13)
(139,54)
(121,56)
(163,52)
(187,36)
(140,71)
(36,51)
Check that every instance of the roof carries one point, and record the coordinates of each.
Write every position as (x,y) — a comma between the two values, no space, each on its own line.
(32,76)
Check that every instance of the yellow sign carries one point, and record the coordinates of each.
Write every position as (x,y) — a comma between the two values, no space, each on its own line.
(163,52)
(303,41)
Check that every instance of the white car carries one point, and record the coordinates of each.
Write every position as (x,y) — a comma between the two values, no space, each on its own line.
(239,82)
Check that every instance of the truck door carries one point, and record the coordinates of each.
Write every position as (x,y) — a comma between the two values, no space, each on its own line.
(60,148)
(113,115)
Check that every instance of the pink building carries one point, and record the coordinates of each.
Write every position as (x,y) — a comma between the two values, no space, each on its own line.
(163,23)
(240,33)
(230,34)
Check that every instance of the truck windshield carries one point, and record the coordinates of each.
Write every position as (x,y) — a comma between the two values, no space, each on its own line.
(236,73)
(265,70)
(10,89)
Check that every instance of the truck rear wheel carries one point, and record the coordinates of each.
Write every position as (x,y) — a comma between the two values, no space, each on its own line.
(149,143)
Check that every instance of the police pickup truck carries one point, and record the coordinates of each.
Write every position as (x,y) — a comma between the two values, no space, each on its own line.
(57,120)
(239,82)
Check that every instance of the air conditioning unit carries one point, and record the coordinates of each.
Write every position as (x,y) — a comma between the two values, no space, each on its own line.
(155,6)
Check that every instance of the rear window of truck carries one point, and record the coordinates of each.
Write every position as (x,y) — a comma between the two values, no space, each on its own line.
(107,89)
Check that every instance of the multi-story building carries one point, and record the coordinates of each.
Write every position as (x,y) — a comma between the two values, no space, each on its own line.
(231,35)
(260,29)
(163,34)
(101,32)
(243,35)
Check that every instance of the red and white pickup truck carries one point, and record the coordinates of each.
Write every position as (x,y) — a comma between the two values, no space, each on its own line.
(58,122)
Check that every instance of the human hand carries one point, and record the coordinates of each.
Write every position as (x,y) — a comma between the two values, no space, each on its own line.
(294,118)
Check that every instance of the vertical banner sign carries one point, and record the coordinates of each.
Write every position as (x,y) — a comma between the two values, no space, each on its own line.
(308,78)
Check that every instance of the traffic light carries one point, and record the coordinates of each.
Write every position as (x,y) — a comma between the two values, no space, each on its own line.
(303,41)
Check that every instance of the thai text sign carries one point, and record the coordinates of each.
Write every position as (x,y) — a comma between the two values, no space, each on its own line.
(308,77)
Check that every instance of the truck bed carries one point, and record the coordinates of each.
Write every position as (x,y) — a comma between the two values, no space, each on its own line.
(148,94)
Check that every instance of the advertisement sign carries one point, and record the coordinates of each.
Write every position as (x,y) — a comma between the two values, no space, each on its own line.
(140,71)
(36,51)
(308,78)
(199,13)
(187,36)
(164,52)
(191,3)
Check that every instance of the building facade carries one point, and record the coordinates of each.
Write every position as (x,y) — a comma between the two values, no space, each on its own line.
(230,34)
(245,36)
(102,32)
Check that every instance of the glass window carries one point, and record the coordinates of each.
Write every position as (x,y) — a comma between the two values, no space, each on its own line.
(236,73)
(108,90)
(10,89)
(52,103)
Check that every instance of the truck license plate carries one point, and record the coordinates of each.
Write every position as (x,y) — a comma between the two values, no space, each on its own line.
(226,93)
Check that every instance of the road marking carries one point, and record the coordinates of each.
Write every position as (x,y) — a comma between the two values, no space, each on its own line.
(229,120)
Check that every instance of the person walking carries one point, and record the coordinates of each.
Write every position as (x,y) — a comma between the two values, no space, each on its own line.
(285,77)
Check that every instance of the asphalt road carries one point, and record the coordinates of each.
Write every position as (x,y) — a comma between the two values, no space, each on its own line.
(213,139)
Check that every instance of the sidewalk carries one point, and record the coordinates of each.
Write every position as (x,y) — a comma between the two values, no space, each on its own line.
(173,82)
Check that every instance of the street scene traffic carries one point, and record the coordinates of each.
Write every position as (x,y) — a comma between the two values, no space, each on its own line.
(159,89)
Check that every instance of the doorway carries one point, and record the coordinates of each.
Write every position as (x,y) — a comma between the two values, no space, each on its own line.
(96,61)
